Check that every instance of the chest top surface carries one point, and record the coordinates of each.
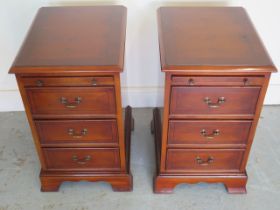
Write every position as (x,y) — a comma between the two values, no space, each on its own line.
(210,38)
(74,38)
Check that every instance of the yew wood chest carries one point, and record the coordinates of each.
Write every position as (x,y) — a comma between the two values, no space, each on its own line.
(68,73)
(216,76)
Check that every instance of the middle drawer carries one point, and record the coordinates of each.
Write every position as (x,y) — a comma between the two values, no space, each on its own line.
(206,133)
(77,132)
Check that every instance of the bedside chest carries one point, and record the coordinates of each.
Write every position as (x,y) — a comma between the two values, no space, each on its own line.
(216,76)
(68,73)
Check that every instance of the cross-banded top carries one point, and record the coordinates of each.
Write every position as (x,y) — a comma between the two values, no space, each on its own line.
(74,39)
(210,38)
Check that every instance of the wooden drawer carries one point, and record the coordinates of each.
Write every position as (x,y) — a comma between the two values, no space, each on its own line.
(87,159)
(214,100)
(203,133)
(70,102)
(67,81)
(217,81)
(77,132)
(204,160)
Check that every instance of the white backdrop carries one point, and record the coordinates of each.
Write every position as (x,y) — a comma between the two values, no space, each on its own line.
(142,81)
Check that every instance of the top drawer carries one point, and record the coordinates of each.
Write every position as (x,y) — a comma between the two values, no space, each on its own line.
(67,81)
(68,102)
(213,101)
(217,81)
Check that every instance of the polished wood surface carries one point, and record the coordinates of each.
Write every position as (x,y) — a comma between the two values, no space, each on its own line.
(74,38)
(215,38)
(217,81)
(86,159)
(67,81)
(237,101)
(200,133)
(72,101)
(203,160)
(77,132)
(216,76)
(68,72)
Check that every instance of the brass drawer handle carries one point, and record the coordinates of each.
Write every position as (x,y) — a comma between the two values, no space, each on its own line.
(39,83)
(215,132)
(220,101)
(246,81)
(81,160)
(94,82)
(204,162)
(191,81)
(71,105)
(71,132)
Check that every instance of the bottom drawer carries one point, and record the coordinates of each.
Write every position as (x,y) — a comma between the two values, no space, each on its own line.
(86,159)
(204,160)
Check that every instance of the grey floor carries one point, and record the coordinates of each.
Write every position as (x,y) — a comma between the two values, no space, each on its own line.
(20,187)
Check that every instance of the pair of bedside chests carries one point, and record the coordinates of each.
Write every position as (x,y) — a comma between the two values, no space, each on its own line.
(216,76)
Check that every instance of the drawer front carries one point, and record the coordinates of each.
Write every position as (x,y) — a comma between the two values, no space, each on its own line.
(217,81)
(204,160)
(67,81)
(214,100)
(72,101)
(77,131)
(82,159)
(202,132)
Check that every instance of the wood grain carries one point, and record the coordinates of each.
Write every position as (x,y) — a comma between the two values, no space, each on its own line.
(224,160)
(77,133)
(216,75)
(217,81)
(191,100)
(68,81)
(188,133)
(202,38)
(85,38)
(99,159)
(68,75)
(93,101)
